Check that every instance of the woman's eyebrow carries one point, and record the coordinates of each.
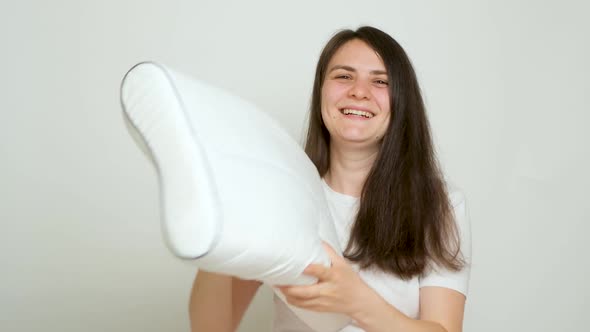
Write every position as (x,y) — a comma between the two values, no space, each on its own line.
(348,68)
(378,72)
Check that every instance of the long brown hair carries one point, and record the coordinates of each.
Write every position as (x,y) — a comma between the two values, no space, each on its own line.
(405,220)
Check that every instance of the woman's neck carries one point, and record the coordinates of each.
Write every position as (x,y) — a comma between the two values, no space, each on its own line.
(349,169)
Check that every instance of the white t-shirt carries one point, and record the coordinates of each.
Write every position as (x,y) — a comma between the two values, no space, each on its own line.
(402,294)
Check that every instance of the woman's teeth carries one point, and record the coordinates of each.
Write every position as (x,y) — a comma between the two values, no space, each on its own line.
(347,111)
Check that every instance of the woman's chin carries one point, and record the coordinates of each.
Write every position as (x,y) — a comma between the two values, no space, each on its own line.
(358,141)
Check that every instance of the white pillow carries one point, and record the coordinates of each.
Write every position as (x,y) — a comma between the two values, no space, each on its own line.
(238,194)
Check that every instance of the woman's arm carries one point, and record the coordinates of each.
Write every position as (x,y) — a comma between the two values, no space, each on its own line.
(340,289)
(441,310)
(218,302)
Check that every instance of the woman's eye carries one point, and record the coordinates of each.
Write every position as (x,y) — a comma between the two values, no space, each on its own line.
(343,76)
(382,82)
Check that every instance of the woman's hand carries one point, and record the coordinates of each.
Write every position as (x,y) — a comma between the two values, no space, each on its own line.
(339,288)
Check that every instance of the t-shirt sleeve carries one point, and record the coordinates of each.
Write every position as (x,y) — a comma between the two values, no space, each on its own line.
(456,280)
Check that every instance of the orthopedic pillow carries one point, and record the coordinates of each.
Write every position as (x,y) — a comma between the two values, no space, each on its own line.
(238,195)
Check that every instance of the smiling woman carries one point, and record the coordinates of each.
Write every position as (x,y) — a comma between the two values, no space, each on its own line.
(405,230)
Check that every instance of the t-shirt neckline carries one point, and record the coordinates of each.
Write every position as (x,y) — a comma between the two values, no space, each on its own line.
(339,196)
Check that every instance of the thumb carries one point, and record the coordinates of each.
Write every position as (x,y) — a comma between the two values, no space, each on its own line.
(334,256)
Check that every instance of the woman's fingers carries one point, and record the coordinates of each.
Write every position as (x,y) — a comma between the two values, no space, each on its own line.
(302,292)
(317,270)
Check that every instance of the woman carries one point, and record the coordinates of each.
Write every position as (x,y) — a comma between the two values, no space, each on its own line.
(406,239)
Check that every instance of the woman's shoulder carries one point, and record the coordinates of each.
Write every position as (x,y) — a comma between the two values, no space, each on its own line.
(460,211)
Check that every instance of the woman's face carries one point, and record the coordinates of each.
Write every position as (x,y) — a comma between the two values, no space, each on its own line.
(355,96)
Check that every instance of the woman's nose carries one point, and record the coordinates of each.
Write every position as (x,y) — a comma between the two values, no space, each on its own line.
(360,90)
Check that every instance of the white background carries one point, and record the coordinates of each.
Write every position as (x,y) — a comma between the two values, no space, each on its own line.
(506,85)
